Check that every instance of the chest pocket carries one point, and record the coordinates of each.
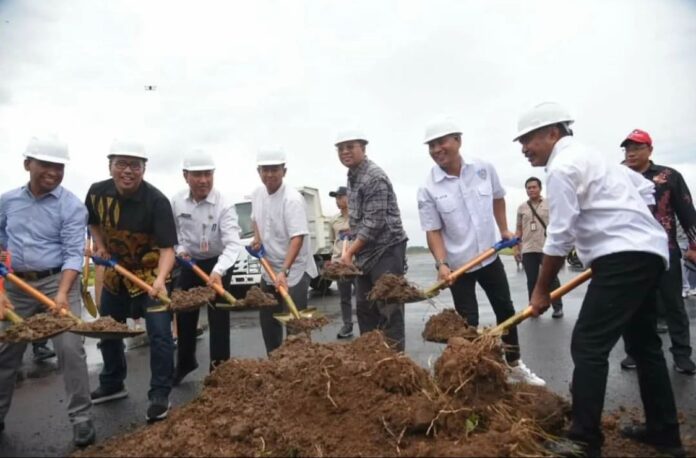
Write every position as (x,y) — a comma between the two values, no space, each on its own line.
(484,188)
(446,205)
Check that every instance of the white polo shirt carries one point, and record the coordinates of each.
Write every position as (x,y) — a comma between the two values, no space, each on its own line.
(207,229)
(599,208)
(279,217)
(462,208)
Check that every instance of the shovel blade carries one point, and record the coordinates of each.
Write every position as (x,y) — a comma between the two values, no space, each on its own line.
(90,306)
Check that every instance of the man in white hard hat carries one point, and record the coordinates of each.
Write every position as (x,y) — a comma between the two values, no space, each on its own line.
(42,225)
(380,240)
(131,221)
(208,235)
(602,209)
(460,207)
(279,219)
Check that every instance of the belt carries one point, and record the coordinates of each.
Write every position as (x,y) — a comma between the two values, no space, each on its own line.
(38,275)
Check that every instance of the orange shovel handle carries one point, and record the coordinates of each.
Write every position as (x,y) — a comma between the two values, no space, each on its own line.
(141,284)
(38,295)
(218,289)
(283,292)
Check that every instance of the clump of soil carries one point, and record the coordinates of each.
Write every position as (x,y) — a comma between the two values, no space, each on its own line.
(340,271)
(355,399)
(447,324)
(392,288)
(102,324)
(192,298)
(256,298)
(306,325)
(37,327)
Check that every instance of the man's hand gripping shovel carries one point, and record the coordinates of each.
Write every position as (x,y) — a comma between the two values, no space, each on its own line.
(295,314)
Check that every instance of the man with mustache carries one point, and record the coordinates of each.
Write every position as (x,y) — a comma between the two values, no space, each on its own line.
(42,225)
(132,221)
(602,209)
(208,235)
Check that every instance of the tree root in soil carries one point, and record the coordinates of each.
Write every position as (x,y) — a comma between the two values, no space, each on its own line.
(37,326)
(447,324)
(340,271)
(102,324)
(256,298)
(191,299)
(392,288)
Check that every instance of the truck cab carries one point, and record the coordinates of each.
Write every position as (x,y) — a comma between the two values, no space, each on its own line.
(247,270)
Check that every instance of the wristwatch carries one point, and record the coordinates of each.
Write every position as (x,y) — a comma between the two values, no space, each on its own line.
(286,272)
(441,262)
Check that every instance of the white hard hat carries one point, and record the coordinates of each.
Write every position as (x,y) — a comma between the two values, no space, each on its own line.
(544,114)
(198,160)
(128,148)
(49,149)
(270,157)
(439,128)
(350,135)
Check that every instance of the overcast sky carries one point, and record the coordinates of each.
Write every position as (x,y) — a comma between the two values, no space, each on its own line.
(235,76)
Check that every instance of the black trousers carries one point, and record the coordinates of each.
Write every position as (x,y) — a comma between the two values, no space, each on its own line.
(271,329)
(389,318)
(531,263)
(494,282)
(186,322)
(620,299)
(670,306)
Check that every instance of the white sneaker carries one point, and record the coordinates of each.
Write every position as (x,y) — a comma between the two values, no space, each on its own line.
(522,374)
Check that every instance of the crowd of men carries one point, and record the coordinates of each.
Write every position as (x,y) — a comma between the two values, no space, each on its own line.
(621,224)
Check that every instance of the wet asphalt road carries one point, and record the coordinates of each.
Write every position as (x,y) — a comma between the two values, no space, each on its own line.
(37,423)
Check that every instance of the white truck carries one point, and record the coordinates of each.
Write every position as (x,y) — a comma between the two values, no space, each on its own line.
(247,270)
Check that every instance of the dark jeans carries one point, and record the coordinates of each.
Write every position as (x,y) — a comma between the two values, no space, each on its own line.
(531,263)
(159,331)
(271,329)
(389,318)
(345,289)
(494,282)
(620,300)
(187,322)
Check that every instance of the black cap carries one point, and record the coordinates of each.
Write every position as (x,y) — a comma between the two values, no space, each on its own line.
(341,191)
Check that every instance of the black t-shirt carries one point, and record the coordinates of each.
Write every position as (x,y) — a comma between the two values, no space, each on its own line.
(134,229)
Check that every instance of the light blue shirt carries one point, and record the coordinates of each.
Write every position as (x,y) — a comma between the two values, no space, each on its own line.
(43,233)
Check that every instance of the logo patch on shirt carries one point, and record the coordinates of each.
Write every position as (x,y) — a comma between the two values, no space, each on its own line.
(482,173)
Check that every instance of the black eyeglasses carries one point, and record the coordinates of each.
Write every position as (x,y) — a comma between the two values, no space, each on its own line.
(121,165)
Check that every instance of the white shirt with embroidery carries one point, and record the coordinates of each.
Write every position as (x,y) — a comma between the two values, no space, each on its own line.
(461,207)
(598,207)
(207,229)
(279,217)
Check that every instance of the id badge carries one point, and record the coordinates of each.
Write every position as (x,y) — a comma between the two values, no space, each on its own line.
(204,244)
(532,226)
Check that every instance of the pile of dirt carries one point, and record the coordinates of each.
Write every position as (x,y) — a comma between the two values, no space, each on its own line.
(37,327)
(256,298)
(392,288)
(340,271)
(447,324)
(306,325)
(354,399)
(103,323)
(192,298)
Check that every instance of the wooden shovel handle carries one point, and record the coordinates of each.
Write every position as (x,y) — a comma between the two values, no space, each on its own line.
(459,272)
(283,292)
(218,289)
(141,284)
(38,295)
(13,317)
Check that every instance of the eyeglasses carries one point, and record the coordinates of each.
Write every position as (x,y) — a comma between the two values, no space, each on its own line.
(121,165)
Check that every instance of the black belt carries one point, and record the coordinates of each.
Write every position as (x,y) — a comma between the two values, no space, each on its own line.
(38,275)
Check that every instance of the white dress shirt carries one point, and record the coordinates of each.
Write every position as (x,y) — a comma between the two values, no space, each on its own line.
(600,208)
(207,229)
(279,217)
(462,208)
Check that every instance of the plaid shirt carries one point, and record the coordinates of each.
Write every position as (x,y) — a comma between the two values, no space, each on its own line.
(373,213)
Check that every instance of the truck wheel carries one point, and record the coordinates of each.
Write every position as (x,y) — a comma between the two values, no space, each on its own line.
(320,284)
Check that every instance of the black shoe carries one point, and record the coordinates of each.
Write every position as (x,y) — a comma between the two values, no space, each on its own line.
(628,363)
(661,327)
(684,365)
(42,353)
(346,332)
(180,373)
(668,446)
(2,426)
(568,448)
(84,434)
(158,409)
(102,394)
(557,312)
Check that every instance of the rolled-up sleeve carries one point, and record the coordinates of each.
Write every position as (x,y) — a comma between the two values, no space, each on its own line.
(564,210)
(427,212)
(375,205)
(229,230)
(72,234)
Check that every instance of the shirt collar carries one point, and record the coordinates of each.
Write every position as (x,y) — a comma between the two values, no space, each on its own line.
(439,174)
(560,145)
(55,192)
(211,198)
